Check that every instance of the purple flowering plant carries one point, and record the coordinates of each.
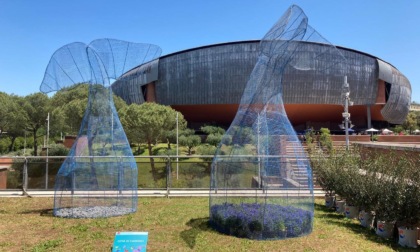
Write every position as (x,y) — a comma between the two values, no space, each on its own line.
(260,221)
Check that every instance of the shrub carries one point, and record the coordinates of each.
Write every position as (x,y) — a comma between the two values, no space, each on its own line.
(325,173)
(259,221)
(387,183)
(310,140)
(57,150)
(325,140)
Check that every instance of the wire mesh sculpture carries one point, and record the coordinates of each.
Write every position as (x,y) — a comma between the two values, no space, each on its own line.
(261,179)
(99,176)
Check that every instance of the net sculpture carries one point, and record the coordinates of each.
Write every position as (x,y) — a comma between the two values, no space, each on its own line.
(99,176)
(261,179)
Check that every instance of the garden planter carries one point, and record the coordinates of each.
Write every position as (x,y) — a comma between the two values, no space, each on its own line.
(351,212)
(329,200)
(407,237)
(366,219)
(339,206)
(385,229)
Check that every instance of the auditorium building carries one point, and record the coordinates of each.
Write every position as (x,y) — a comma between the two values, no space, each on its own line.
(206,84)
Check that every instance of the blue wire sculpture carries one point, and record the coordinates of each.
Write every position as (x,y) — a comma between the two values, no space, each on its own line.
(99,176)
(261,179)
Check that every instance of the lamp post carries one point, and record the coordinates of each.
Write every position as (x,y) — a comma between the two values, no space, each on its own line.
(24,145)
(259,152)
(346,114)
(46,165)
(177,149)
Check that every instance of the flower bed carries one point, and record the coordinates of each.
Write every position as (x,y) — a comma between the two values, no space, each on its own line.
(260,221)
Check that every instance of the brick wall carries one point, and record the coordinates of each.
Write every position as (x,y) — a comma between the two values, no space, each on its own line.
(5,164)
(400,139)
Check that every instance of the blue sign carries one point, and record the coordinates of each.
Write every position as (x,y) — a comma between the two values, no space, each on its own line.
(130,242)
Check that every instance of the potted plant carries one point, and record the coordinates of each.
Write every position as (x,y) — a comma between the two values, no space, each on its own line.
(408,192)
(325,176)
(385,180)
(348,178)
(368,192)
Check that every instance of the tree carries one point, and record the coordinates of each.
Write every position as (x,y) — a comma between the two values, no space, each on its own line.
(214,134)
(70,106)
(410,122)
(12,118)
(189,140)
(119,103)
(17,120)
(5,103)
(170,136)
(73,113)
(36,107)
(213,130)
(242,135)
(66,95)
(147,123)
(207,150)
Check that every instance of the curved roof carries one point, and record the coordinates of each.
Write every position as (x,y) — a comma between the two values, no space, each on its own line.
(217,74)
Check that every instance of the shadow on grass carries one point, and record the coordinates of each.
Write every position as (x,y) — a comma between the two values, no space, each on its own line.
(324,212)
(197,226)
(42,212)
(369,234)
(334,218)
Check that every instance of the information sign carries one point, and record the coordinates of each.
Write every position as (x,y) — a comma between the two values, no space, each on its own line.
(130,242)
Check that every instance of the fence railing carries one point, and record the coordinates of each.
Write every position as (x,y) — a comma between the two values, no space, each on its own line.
(168,172)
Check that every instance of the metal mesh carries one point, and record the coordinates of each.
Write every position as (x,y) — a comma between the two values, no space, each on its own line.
(99,176)
(399,98)
(261,180)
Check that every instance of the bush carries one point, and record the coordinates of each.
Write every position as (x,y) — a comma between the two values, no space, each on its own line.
(259,221)
(325,173)
(57,150)
(325,140)
(310,140)
(387,183)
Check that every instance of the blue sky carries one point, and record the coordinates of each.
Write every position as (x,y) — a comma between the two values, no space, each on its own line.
(30,31)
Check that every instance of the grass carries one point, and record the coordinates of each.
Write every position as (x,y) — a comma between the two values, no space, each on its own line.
(174,224)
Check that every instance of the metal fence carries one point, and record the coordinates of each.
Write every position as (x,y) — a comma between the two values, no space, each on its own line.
(154,172)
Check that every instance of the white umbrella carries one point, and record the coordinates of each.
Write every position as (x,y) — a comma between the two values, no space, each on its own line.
(386,131)
(372,130)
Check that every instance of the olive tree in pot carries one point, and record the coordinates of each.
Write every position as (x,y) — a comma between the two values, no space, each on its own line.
(336,163)
(325,175)
(366,199)
(348,179)
(386,183)
(408,216)
(368,192)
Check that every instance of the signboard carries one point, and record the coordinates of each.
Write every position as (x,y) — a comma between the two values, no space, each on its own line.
(130,242)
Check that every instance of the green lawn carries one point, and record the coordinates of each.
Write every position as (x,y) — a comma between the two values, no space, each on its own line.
(174,224)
